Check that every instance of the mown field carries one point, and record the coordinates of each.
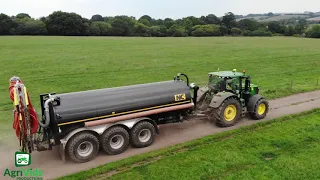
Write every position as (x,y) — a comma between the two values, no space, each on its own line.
(284,148)
(279,65)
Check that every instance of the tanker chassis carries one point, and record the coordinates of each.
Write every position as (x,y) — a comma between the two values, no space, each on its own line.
(111,119)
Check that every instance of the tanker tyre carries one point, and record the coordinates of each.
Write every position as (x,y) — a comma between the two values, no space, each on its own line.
(82,147)
(142,134)
(114,140)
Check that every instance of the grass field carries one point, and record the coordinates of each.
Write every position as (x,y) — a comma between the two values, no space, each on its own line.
(280,66)
(284,148)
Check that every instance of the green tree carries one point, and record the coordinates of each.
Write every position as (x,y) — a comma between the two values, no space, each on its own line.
(258,32)
(145,22)
(270,14)
(212,19)
(100,28)
(248,24)
(33,27)
(275,27)
(229,20)
(6,24)
(168,22)
(289,31)
(206,30)
(22,15)
(177,31)
(94,29)
(146,17)
(236,31)
(96,17)
(157,22)
(301,26)
(63,23)
(223,30)
(108,19)
(314,31)
(123,26)
(141,29)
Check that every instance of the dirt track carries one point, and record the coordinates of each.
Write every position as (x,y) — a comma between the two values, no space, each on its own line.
(52,166)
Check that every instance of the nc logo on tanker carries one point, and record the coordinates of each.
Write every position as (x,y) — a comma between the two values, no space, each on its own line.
(180,97)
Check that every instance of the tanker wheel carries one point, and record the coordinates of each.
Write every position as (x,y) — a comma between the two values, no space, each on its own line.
(142,134)
(228,113)
(115,140)
(260,110)
(82,147)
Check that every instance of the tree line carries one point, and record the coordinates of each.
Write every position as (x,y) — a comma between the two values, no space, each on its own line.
(72,24)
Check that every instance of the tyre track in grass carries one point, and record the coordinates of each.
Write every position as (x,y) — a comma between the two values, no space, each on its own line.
(170,134)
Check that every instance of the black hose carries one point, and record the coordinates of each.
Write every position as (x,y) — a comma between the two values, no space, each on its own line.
(186,77)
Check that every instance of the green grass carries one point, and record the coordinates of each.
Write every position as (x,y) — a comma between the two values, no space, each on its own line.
(65,64)
(284,148)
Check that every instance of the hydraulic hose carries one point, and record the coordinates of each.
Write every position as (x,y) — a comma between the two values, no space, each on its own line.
(46,113)
(181,74)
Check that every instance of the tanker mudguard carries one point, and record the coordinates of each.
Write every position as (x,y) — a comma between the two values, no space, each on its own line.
(219,98)
(98,104)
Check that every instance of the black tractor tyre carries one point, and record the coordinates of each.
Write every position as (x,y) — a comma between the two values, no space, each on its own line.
(114,140)
(218,114)
(142,134)
(255,114)
(82,140)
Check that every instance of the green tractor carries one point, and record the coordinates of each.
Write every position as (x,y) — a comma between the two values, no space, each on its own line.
(229,96)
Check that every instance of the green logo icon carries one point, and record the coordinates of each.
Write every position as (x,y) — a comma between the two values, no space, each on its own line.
(22,159)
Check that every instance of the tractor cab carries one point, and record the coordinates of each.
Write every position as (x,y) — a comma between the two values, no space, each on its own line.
(232,81)
(224,81)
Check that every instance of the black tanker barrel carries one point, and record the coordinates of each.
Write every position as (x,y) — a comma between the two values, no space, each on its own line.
(110,102)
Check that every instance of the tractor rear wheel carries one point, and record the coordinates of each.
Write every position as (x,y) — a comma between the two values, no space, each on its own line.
(228,113)
(260,110)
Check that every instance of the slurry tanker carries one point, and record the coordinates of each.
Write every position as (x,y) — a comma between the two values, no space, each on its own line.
(111,119)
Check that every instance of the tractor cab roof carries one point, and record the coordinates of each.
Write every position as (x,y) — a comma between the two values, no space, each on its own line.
(230,74)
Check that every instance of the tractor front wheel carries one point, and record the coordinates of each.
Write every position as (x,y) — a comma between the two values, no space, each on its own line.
(260,110)
(228,113)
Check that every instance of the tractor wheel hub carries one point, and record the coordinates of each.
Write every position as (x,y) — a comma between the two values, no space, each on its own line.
(230,112)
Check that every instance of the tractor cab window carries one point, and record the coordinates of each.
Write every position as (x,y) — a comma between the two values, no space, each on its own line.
(214,79)
(232,84)
(217,83)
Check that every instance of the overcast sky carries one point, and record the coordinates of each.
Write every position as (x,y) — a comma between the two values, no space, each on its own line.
(155,8)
